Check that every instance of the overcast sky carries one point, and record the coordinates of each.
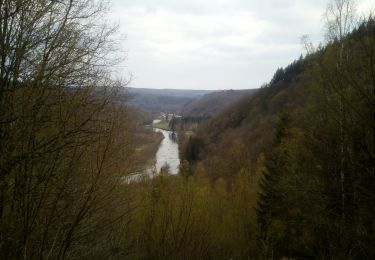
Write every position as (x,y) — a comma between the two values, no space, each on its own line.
(213,44)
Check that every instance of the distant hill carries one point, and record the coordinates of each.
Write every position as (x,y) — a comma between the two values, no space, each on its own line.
(190,103)
(214,103)
(160,100)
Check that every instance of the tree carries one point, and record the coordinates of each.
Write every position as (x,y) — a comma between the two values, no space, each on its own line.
(345,76)
(270,202)
(192,149)
(340,19)
(173,123)
(60,141)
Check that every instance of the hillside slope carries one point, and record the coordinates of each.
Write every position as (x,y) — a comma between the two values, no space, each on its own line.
(307,142)
(253,118)
(214,103)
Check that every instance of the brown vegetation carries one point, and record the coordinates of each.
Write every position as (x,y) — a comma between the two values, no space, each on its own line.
(288,172)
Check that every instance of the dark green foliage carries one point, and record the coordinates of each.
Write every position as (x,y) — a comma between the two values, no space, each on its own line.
(192,149)
(325,161)
(278,76)
(270,195)
(172,124)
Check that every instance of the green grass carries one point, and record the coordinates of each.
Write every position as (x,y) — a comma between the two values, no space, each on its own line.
(162,125)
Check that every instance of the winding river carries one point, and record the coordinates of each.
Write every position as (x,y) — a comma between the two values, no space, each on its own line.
(167,154)
(168,151)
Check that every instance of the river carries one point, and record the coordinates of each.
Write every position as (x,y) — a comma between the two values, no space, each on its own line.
(168,151)
(167,154)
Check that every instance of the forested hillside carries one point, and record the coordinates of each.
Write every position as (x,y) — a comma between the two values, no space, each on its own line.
(252,120)
(214,103)
(307,139)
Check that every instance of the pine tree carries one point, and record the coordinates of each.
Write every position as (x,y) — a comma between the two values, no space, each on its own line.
(270,196)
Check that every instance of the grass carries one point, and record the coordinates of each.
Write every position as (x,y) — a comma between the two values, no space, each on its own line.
(162,125)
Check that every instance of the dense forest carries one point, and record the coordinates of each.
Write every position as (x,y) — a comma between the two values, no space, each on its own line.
(285,173)
(306,143)
(214,103)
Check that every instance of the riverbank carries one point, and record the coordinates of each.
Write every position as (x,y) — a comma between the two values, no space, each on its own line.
(146,145)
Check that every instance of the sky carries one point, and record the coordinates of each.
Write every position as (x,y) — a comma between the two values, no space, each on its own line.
(213,44)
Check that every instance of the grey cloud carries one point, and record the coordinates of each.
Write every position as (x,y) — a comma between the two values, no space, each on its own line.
(214,43)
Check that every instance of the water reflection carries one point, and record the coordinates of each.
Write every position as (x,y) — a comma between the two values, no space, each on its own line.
(173,136)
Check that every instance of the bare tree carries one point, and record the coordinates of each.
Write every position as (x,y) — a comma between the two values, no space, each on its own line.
(63,138)
(340,21)
(340,18)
